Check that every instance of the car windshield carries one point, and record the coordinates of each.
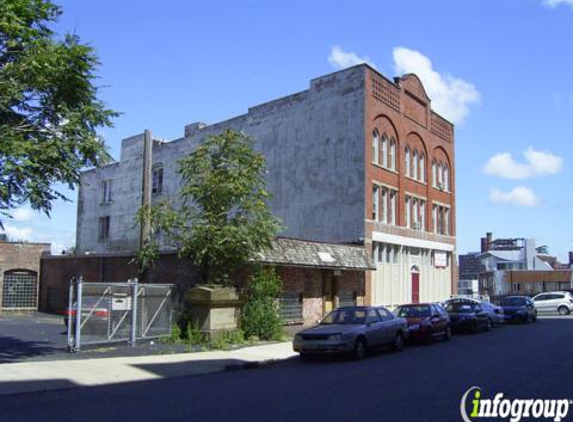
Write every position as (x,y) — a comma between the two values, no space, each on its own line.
(345,316)
(513,301)
(421,311)
(461,307)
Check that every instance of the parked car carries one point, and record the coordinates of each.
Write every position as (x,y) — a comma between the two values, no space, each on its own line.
(354,330)
(468,314)
(519,308)
(494,312)
(97,309)
(426,321)
(561,302)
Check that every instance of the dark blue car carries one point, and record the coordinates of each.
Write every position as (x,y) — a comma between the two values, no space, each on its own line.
(519,308)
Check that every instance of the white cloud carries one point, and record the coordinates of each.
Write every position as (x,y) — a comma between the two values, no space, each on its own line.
(15,233)
(23,214)
(538,163)
(555,3)
(451,96)
(340,59)
(521,196)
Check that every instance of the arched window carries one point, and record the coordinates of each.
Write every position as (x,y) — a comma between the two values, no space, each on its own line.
(384,151)
(434,174)
(407,162)
(422,167)
(392,162)
(375,141)
(446,178)
(415,164)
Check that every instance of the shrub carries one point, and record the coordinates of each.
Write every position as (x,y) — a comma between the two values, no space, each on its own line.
(260,314)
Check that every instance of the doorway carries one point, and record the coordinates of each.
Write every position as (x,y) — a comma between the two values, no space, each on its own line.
(415,275)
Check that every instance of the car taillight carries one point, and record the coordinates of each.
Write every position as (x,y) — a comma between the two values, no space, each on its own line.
(102,313)
(70,312)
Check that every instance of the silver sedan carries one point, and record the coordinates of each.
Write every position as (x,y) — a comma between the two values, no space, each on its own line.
(352,330)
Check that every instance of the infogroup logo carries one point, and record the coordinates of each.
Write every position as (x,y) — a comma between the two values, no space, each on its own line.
(513,409)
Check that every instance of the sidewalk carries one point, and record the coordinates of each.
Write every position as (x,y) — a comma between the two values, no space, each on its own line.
(28,377)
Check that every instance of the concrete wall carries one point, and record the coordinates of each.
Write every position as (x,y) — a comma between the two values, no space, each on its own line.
(313,142)
(20,256)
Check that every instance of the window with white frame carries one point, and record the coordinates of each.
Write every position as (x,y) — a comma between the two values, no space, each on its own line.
(384,204)
(422,167)
(441,219)
(392,216)
(414,173)
(440,176)
(375,143)
(446,178)
(407,162)
(106,191)
(392,160)
(375,202)
(385,253)
(422,220)
(415,214)
(408,211)
(384,151)
(434,174)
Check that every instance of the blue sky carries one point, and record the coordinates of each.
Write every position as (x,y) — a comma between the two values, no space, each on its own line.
(500,69)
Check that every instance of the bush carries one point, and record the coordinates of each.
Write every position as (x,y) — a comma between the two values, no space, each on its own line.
(224,339)
(260,314)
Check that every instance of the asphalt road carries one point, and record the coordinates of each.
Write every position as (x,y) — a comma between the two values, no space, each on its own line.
(422,383)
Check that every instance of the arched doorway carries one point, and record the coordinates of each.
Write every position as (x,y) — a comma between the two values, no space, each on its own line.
(20,290)
(415,276)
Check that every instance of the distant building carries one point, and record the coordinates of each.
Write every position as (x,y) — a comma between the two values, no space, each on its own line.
(512,265)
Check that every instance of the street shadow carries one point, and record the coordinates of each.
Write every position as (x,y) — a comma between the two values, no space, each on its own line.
(35,386)
(195,367)
(13,349)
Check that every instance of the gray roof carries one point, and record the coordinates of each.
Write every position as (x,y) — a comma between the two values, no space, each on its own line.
(295,252)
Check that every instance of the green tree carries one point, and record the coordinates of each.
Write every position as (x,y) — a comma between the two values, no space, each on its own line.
(49,107)
(223,220)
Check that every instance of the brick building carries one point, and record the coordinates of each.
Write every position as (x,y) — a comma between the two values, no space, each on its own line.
(19,274)
(356,159)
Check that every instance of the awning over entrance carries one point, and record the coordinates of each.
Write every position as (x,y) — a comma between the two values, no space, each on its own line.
(305,253)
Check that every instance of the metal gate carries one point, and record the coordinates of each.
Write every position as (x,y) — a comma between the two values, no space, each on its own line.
(101,313)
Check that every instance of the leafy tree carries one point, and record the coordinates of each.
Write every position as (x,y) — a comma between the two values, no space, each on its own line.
(49,110)
(223,220)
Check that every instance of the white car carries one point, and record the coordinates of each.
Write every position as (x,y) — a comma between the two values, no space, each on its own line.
(561,302)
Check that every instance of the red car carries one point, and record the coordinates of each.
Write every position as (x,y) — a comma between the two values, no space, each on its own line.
(426,321)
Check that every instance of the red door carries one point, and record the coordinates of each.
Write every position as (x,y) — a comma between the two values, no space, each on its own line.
(415,287)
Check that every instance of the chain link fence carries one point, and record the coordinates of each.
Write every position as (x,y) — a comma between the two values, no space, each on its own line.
(102,313)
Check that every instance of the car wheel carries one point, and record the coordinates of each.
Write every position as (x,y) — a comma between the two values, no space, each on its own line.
(474,328)
(563,310)
(448,333)
(398,342)
(489,324)
(360,348)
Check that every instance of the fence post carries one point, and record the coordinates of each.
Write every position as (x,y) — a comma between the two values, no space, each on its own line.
(69,315)
(78,321)
(133,335)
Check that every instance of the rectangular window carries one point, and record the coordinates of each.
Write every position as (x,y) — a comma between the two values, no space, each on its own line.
(441,219)
(422,215)
(408,210)
(106,191)
(157,184)
(385,205)
(416,220)
(393,207)
(375,252)
(389,250)
(435,218)
(104,228)
(396,253)
(375,200)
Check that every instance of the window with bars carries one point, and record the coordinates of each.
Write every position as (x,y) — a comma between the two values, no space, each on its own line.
(20,290)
